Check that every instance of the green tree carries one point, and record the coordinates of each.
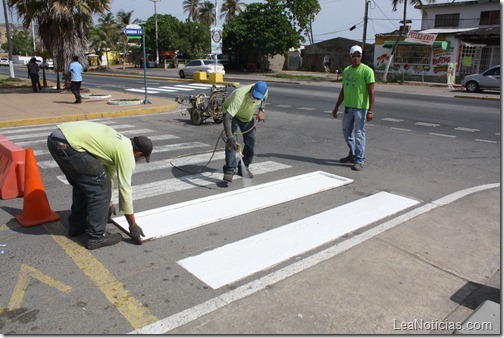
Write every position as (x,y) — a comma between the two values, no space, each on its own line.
(231,8)
(300,13)
(207,13)
(124,19)
(21,42)
(262,29)
(192,8)
(63,25)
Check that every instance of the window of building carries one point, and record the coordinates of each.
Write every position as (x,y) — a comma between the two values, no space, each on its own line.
(447,20)
(489,18)
(413,55)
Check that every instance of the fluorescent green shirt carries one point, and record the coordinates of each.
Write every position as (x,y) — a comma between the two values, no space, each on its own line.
(113,150)
(239,103)
(356,82)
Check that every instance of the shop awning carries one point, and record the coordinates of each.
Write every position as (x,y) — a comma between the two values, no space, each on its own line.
(443,44)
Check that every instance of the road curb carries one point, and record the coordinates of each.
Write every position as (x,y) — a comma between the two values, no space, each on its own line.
(88,116)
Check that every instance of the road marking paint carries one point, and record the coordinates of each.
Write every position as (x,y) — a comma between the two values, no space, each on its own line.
(26,130)
(191,181)
(392,120)
(22,284)
(306,108)
(487,141)
(17,137)
(167,324)
(141,91)
(189,216)
(425,124)
(282,106)
(192,87)
(471,130)
(136,313)
(400,129)
(443,135)
(162,89)
(243,258)
(328,111)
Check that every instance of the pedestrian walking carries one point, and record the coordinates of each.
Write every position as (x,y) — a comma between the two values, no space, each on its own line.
(33,74)
(90,154)
(358,96)
(238,112)
(76,78)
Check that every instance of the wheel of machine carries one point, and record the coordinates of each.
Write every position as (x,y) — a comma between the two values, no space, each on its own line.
(472,87)
(196,117)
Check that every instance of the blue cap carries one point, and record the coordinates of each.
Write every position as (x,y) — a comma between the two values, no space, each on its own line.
(259,90)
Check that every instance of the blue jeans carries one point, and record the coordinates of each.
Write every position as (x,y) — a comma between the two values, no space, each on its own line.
(354,132)
(91,192)
(249,141)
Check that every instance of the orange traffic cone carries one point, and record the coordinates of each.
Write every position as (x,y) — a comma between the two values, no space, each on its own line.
(36,209)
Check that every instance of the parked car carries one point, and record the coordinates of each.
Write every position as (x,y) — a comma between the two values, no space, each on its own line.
(201,65)
(49,64)
(4,61)
(489,79)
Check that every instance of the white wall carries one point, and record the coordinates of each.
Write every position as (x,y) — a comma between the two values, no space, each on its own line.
(469,13)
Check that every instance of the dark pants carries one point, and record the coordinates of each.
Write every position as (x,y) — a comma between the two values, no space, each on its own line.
(35,82)
(249,141)
(91,187)
(75,88)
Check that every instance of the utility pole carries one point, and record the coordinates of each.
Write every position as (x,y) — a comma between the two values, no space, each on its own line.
(156,28)
(9,43)
(365,27)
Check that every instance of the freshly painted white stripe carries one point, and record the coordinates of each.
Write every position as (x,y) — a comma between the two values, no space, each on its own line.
(425,124)
(167,324)
(487,141)
(401,129)
(471,130)
(163,137)
(158,149)
(45,134)
(282,105)
(170,163)
(200,85)
(443,135)
(235,261)
(162,89)
(141,91)
(26,130)
(328,111)
(192,86)
(392,120)
(136,131)
(306,108)
(189,215)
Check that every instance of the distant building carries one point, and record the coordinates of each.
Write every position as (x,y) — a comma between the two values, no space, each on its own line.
(466,37)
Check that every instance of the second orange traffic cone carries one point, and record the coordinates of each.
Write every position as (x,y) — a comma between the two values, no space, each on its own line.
(36,209)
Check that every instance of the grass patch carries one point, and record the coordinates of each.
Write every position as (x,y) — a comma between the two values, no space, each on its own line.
(9,82)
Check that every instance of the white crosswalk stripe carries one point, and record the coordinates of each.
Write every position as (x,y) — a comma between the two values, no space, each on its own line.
(173,89)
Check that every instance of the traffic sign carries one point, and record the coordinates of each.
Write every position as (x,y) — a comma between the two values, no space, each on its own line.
(133,31)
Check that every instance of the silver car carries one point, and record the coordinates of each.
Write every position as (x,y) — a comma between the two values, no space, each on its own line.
(489,79)
(201,65)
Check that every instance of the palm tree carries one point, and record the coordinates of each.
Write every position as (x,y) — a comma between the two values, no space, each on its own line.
(207,13)
(124,19)
(230,8)
(395,3)
(63,25)
(192,7)
(110,35)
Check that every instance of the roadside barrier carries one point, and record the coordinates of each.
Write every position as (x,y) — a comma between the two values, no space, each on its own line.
(12,169)
(36,209)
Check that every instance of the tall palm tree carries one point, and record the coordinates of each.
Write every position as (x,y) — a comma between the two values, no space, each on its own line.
(192,8)
(395,3)
(108,25)
(230,8)
(63,25)
(124,19)
(207,13)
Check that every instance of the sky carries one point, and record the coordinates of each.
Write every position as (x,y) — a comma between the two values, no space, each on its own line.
(334,20)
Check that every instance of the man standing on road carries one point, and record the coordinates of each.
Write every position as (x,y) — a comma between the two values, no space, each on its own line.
(33,74)
(238,112)
(90,154)
(76,78)
(357,95)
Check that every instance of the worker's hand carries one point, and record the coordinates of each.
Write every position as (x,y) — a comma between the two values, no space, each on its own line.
(231,143)
(260,115)
(135,233)
(111,211)
(335,113)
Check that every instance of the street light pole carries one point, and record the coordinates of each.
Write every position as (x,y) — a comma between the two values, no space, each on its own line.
(156,28)
(365,27)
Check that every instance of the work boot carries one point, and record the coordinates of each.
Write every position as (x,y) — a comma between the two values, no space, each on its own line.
(247,175)
(228,176)
(357,167)
(76,231)
(107,240)
(348,159)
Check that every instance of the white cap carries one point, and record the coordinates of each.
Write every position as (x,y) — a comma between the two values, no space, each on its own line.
(355,49)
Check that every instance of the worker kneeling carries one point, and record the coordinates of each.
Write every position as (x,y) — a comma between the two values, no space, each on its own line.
(90,154)
(238,112)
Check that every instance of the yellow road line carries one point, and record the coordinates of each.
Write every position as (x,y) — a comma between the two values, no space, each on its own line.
(132,309)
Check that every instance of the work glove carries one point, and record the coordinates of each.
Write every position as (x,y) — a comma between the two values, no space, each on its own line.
(111,211)
(135,233)
(231,143)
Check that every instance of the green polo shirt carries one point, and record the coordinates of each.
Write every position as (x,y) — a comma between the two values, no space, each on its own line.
(240,104)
